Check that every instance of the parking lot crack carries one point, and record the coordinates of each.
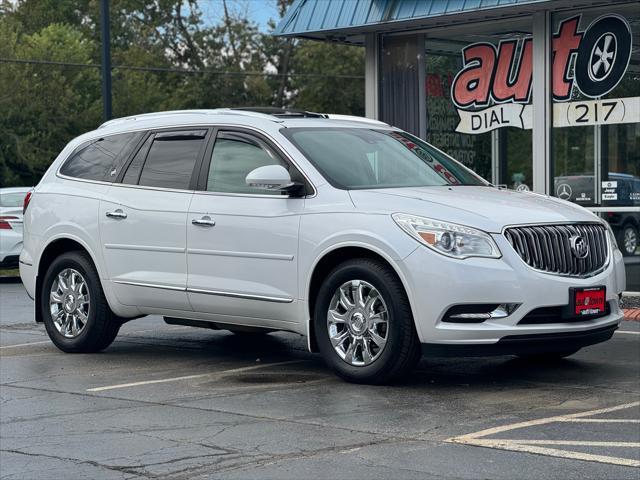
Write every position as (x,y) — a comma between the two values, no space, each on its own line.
(78,461)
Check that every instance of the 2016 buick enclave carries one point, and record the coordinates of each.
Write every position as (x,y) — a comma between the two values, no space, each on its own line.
(368,241)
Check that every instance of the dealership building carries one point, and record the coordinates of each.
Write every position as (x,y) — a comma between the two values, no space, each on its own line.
(531,94)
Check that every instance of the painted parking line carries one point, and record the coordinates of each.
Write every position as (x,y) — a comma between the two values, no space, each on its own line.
(25,344)
(541,447)
(628,332)
(600,420)
(189,377)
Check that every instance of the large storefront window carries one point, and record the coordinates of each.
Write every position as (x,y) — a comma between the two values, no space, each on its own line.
(596,117)
(478,96)
(468,89)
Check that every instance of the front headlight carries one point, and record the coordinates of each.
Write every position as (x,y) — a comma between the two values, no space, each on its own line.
(449,239)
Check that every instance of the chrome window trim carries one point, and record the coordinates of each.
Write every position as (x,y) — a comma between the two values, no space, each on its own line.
(541,224)
(212,125)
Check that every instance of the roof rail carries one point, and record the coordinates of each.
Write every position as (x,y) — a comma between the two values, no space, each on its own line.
(355,118)
(213,111)
(268,113)
(143,116)
(281,112)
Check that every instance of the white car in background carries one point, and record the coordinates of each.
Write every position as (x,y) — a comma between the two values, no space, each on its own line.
(373,244)
(11,204)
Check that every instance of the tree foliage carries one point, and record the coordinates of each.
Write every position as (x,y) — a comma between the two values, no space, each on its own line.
(164,57)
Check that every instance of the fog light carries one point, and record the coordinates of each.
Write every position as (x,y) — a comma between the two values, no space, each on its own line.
(478,313)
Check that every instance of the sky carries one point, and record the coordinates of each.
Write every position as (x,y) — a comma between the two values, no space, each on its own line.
(259,11)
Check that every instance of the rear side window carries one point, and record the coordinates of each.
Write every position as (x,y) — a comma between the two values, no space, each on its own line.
(171,159)
(101,159)
(135,167)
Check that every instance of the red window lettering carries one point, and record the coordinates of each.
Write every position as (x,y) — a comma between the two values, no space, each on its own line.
(518,90)
(434,85)
(473,84)
(565,42)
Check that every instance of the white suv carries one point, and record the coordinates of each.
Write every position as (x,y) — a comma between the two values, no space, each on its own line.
(371,243)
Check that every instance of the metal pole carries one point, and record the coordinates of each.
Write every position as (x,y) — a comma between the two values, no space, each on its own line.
(106,59)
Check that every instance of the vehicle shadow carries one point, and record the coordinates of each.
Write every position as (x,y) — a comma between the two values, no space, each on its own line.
(431,373)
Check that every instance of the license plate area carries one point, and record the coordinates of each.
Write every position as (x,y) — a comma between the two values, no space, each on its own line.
(585,302)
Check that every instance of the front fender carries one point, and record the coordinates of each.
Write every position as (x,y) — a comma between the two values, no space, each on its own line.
(322,234)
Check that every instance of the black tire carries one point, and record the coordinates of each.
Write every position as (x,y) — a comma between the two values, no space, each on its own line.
(402,349)
(616,27)
(102,324)
(620,238)
(548,357)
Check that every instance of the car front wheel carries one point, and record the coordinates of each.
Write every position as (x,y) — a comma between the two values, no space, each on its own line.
(363,323)
(75,311)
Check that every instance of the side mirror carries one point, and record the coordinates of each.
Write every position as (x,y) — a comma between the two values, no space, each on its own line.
(271,177)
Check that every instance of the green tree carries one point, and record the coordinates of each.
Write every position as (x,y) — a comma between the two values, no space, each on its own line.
(43,106)
(165,57)
(327,93)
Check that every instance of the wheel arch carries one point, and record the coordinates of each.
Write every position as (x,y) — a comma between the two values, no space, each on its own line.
(332,257)
(56,247)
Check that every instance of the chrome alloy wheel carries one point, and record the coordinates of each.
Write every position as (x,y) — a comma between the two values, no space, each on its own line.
(69,303)
(630,240)
(358,323)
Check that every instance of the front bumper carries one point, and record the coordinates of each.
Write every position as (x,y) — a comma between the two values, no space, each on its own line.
(435,283)
(529,344)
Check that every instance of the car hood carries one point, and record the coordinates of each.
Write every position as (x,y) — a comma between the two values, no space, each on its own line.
(486,208)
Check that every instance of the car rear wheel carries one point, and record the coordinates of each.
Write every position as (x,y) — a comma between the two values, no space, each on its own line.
(75,311)
(363,323)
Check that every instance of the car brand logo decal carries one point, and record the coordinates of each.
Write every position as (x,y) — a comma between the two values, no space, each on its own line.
(564,191)
(579,246)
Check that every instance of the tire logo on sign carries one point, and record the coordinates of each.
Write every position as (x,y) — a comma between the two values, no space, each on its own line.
(579,246)
(493,88)
(564,191)
(603,55)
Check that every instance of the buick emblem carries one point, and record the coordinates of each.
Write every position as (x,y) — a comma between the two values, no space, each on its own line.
(579,246)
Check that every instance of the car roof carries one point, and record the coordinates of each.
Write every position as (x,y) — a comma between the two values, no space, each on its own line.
(260,118)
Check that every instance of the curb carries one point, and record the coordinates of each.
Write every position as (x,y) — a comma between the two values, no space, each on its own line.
(632,314)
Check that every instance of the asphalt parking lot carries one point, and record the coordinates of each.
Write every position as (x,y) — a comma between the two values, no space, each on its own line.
(182,403)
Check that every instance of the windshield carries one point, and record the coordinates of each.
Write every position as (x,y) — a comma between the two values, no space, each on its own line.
(358,158)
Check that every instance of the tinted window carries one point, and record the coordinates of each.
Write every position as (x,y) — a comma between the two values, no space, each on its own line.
(101,159)
(171,159)
(355,158)
(133,172)
(234,156)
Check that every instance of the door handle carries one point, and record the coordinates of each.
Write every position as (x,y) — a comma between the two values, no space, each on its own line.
(205,221)
(116,214)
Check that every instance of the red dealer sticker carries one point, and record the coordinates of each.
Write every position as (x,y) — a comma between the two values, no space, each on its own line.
(588,301)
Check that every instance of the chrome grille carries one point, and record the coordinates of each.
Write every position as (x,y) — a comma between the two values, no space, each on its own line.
(548,247)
